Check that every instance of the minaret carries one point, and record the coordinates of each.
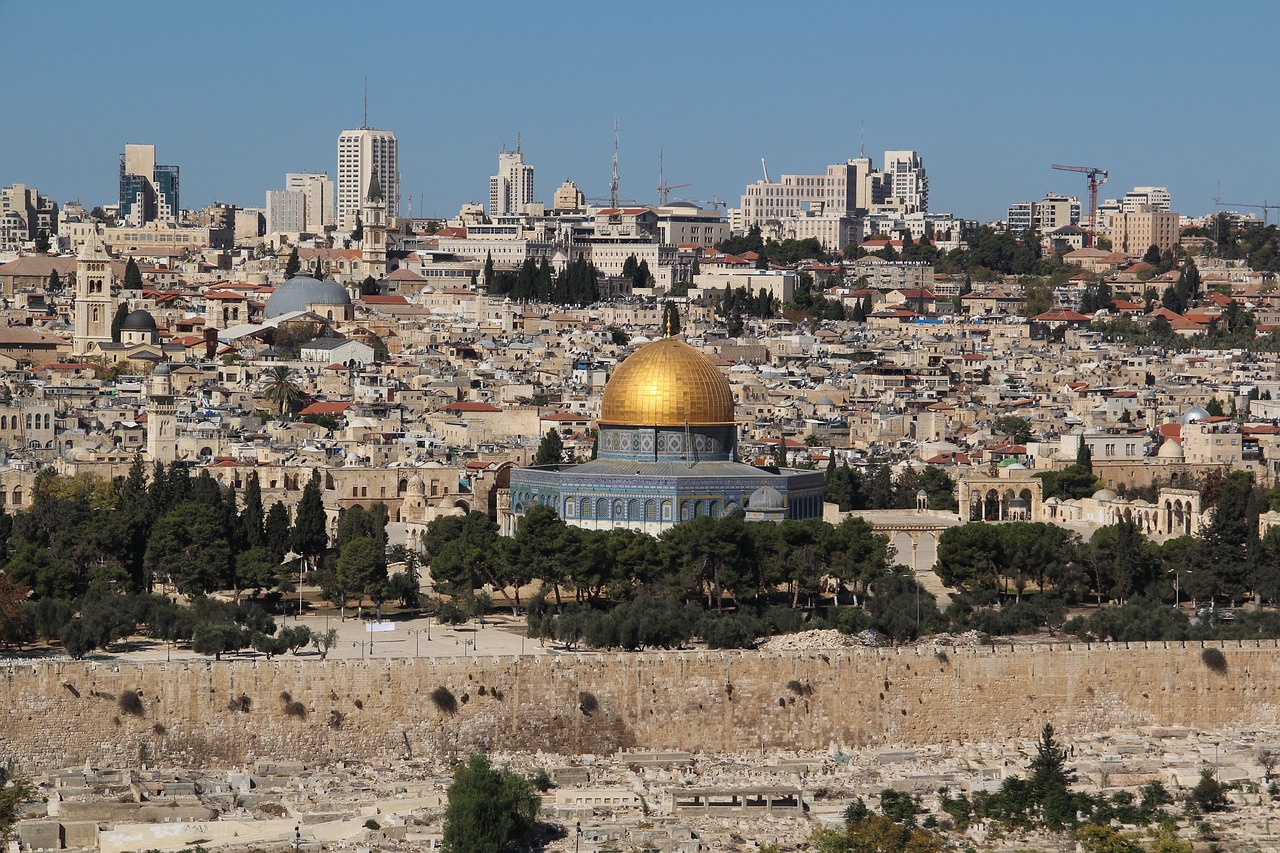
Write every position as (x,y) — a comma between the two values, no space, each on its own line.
(162,421)
(95,307)
(374,248)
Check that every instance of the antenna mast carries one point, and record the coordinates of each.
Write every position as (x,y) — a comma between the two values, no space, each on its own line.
(613,184)
(365,125)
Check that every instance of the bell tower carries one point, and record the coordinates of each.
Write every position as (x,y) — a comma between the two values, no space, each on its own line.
(95,307)
(162,421)
(373,250)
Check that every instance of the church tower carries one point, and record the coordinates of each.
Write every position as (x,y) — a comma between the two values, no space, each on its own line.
(162,420)
(373,250)
(95,307)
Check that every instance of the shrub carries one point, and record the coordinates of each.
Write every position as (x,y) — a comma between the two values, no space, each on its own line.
(799,689)
(587,703)
(1215,660)
(296,710)
(159,729)
(372,824)
(131,703)
(335,719)
(444,700)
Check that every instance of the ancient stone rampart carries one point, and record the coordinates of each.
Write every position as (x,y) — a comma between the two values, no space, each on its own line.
(231,712)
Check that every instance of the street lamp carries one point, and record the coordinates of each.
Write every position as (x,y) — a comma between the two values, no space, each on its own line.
(417,634)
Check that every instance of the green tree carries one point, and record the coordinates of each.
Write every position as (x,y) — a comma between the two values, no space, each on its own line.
(361,567)
(280,386)
(188,544)
(1084,456)
(293,265)
(275,532)
(132,275)
(969,556)
(42,241)
(1017,429)
(488,808)
(550,449)
(1049,781)
(310,536)
(117,322)
(670,318)
(251,517)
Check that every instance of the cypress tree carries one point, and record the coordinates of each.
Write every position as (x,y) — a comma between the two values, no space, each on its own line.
(132,275)
(251,518)
(309,536)
(292,266)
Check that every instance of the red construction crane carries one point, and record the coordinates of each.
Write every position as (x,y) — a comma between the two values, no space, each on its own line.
(1094,182)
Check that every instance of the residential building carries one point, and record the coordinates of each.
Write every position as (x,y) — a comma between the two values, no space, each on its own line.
(1049,214)
(568,198)
(1133,233)
(683,223)
(148,192)
(317,190)
(24,213)
(512,188)
(361,153)
(286,211)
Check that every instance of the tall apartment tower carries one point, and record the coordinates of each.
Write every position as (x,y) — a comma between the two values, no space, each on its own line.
(148,192)
(512,188)
(361,153)
(318,190)
(907,186)
(95,307)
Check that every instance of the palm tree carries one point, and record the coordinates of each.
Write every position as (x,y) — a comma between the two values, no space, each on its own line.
(281,387)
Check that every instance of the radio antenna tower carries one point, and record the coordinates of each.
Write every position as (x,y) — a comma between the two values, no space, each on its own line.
(365,125)
(613,184)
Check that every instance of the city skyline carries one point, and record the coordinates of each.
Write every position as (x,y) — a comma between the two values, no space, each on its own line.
(732,92)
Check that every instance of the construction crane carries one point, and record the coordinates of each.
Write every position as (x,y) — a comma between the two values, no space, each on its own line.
(664,189)
(1094,182)
(1264,207)
(706,202)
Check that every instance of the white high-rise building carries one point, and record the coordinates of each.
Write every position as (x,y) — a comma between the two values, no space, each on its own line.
(906,182)
(512,188)
(318,190)
(361,153)
(1146,198)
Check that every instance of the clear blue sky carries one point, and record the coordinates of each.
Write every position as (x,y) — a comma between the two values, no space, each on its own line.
(237,94)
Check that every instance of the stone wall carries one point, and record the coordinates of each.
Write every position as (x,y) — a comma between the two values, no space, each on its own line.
(231,712)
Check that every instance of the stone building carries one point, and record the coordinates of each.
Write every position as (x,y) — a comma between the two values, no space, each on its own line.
(667,437)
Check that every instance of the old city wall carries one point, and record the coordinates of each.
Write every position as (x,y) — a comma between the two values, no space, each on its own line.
(231,712)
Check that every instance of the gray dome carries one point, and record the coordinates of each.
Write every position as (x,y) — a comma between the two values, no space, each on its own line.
(299,292)
(163,369)
(138,321)
(765,498)
(1104,495)
(1193,414)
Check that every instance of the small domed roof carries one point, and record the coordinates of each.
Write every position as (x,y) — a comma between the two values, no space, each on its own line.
(1018,503)
(765,498)
(1104,495)
(162,369)
(1170,450)
(1193,414)
(138,321)
(300,291)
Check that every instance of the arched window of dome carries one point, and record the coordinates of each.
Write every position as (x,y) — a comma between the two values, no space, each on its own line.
(570,507)
(699,509)
(618,509)
(633,510)
(715,509)
(602,508)
(666,510)
(650,510)
(585,507)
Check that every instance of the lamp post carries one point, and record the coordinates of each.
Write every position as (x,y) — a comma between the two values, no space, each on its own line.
(417,634)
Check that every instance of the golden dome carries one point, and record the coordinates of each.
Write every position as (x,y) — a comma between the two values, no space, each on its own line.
(667,383)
